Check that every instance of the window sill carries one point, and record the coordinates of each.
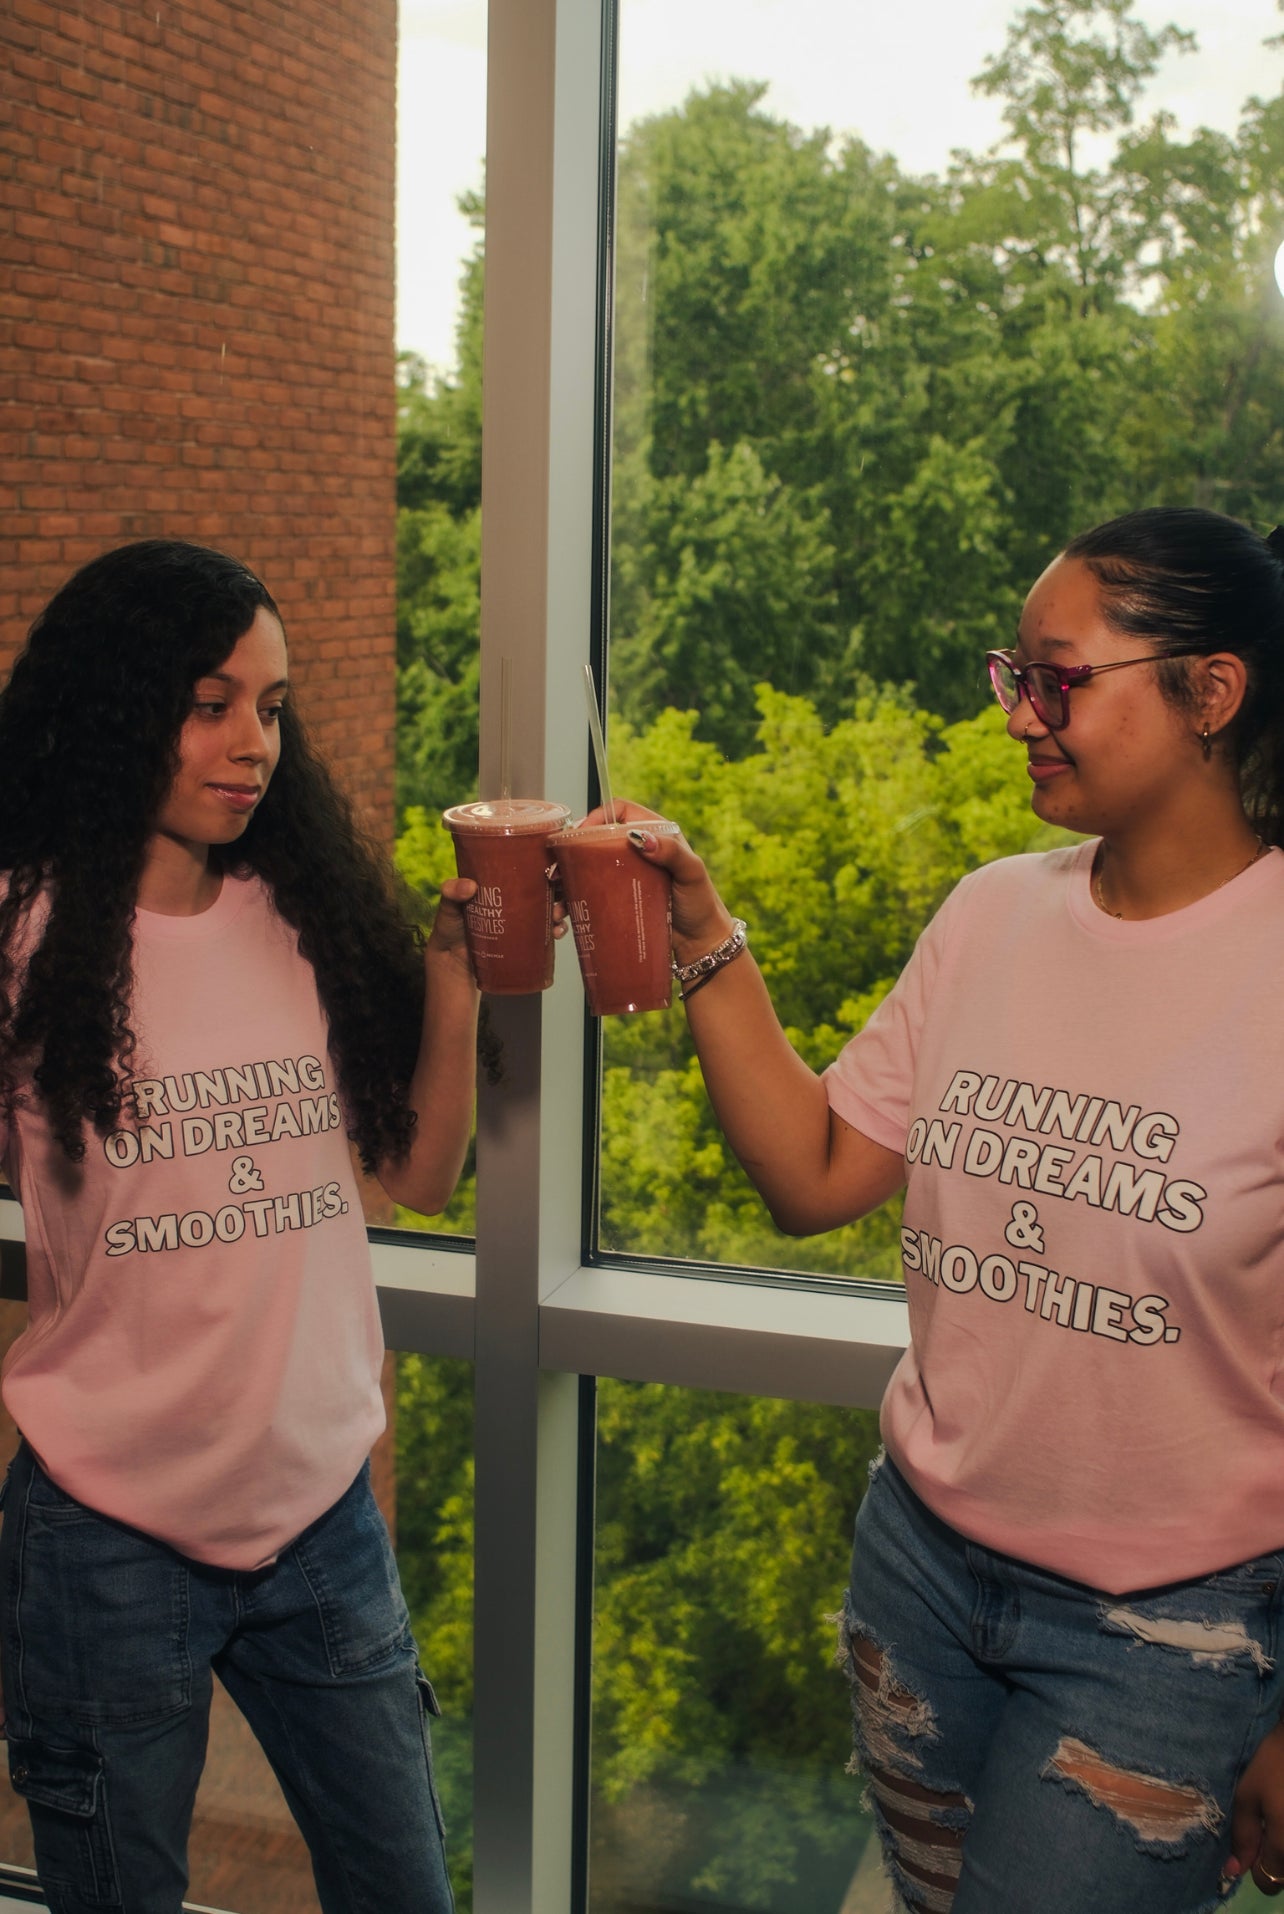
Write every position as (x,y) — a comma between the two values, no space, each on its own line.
(644,1325)
(714,1333)
(426,1297)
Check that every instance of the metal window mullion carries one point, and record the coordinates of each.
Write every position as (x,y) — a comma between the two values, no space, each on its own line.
(537,488)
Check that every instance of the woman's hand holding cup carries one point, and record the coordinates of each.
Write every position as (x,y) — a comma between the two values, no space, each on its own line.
(700,918)
(447,937)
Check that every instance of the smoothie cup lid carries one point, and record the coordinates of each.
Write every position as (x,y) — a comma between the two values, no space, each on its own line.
(606,833)
(507,817)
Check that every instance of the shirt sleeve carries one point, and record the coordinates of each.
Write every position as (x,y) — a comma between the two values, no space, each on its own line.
(871,1081)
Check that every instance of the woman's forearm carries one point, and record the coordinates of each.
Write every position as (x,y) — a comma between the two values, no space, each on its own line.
(812,1171)
(771,1107)
(442,1088)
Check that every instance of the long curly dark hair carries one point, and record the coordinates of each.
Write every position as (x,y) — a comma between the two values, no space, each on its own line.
(89,739)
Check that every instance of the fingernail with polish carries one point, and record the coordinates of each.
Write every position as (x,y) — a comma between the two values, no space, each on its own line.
(643,840)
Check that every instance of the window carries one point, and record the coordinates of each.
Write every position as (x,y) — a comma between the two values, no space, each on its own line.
(441,217)
(720,1732)
(872,365)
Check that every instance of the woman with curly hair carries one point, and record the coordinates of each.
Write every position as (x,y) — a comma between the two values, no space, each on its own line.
(1066,1613)
(206,989)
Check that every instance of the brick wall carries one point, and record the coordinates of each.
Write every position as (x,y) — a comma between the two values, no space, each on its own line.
(196,300)
(196,339)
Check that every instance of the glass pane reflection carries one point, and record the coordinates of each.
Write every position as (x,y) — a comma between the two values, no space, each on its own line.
(440,221)
(720,1723)
(870,371)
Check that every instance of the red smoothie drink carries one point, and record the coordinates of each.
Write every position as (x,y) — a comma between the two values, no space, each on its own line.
(620,911)
(499,843)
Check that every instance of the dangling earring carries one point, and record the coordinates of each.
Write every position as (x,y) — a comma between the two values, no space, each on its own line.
(1206,744)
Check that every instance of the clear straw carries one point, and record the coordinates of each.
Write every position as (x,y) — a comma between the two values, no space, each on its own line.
(599,745)
(506,728)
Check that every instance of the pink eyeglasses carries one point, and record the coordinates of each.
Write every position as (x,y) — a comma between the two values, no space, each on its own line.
(1048,687)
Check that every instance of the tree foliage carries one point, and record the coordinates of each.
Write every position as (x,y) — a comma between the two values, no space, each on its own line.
(857,411)
(438,560)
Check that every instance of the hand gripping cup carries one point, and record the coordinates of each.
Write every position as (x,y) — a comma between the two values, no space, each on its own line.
(499,843)
(620,911)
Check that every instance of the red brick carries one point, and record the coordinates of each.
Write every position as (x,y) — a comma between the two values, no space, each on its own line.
(33,68)
(108,66)
(76,81)
(118,43)
(71,26)
(20,33)
(218,290)
(32,226)
(104,13)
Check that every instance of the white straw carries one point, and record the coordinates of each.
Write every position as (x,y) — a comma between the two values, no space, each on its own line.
(599,745)
(506,727)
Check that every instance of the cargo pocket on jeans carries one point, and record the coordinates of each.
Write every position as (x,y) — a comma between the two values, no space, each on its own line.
(428,1706)
(347,1561)
(64,1792)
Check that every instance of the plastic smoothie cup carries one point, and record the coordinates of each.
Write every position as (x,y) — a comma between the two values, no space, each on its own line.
(499,843)
(620,910)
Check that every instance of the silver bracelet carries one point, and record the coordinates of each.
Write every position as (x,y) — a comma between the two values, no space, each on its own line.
(714,959)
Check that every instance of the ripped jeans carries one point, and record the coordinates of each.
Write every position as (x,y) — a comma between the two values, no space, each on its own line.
(110,1640)
(1031,1744)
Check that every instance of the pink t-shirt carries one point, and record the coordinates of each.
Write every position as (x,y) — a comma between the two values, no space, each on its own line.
(1092,1117)
(204,1348)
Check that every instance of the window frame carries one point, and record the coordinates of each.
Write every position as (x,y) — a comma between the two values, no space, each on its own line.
(528,1304)
(547,1311)
(550,173)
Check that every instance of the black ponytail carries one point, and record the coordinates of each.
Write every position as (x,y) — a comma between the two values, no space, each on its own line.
(1193,582)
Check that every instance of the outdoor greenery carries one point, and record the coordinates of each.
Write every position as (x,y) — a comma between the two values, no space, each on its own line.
(856,413)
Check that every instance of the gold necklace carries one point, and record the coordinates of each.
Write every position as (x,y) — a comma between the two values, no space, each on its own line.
(1262,848)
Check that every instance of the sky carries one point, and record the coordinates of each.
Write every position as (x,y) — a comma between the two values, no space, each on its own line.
(896,75)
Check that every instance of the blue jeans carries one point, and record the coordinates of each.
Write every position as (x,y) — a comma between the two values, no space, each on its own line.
(1032,1744)
(110,1641)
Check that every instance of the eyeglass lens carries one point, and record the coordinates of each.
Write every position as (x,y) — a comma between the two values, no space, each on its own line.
(1043,688)
(1003,679)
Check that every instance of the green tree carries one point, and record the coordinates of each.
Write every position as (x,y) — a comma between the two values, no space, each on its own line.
(1070,69)
(940,569)
(724,579)
(857,412)
(438,625)
(1208,430)
(439,419)
(745,247)
(434,1432)
(723,1532)
(943,377)
(438,559)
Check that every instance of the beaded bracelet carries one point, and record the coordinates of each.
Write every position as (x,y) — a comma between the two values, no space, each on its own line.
(702,969)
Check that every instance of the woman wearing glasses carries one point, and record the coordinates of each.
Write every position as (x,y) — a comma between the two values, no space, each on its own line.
(1062,1630)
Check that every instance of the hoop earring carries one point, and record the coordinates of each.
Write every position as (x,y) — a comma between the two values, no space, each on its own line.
(1206,744)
